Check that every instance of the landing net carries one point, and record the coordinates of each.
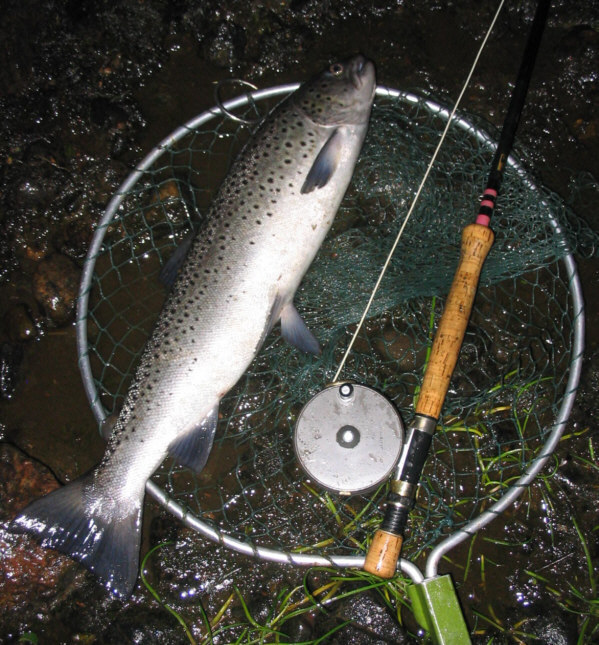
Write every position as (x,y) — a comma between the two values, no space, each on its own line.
(514,384)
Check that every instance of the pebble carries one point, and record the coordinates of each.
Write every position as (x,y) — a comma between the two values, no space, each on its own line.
(19,323)
(55,287)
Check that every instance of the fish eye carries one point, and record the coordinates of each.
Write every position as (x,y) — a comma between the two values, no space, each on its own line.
(336,69)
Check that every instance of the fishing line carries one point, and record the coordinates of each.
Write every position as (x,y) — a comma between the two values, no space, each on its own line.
(418,192)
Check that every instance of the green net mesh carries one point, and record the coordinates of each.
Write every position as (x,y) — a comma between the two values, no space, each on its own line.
(510,378)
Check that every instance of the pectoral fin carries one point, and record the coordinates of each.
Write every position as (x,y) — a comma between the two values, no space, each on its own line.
(170,270)
(107,426)
(295,331)
(193,448)
(325,164)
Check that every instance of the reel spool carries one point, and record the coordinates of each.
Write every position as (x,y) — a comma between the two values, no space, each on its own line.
(348,438)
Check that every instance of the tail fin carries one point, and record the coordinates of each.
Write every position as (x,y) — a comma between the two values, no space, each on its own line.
(108,546)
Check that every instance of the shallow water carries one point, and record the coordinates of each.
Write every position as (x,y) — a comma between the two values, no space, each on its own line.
(87,91)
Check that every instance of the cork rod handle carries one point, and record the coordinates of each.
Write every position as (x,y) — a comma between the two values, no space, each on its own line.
(476,243)
(383,554)
(477,239)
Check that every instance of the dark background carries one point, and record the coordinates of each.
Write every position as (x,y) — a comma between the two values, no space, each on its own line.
(88,88)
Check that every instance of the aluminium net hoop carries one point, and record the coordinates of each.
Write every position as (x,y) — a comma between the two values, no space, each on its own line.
(514,383)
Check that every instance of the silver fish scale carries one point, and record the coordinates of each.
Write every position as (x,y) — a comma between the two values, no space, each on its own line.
(241,271)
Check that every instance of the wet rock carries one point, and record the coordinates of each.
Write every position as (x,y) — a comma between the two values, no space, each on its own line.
(552,627)
(21,481)
(11,355)
(368,622)
(43,176)
(26,569)
(76,229)
(105,112)
(301,628)
(55,285)
(73,238)
(20,323)
(227,45)
(31,242)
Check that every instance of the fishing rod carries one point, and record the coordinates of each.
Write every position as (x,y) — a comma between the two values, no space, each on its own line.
(477,239)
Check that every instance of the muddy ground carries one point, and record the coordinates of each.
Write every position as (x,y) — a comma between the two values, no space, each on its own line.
(87,88)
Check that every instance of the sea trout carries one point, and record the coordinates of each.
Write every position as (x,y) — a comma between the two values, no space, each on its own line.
(238,279)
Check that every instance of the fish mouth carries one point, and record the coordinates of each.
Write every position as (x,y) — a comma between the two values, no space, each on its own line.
(361,72)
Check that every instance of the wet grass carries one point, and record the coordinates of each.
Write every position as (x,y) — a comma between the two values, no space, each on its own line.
(236,622)
(288,606)
(155,594)
(573,588)
(579,599)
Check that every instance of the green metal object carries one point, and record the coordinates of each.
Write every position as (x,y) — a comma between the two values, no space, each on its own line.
(437,609)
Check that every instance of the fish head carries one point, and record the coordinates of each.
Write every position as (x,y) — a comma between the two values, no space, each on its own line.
(342,94)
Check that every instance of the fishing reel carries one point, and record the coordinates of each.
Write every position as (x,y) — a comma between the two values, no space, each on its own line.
(348,438)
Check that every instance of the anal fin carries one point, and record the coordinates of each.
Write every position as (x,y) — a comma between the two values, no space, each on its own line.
(296,332)
(193,448)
